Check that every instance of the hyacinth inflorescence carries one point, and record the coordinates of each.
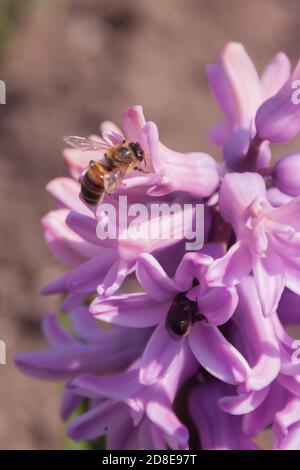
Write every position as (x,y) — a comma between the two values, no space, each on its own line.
(199,354)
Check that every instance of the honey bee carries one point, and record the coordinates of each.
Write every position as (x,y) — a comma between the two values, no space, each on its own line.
(106,176)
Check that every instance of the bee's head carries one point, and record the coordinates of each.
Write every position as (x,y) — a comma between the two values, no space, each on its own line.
(138,151)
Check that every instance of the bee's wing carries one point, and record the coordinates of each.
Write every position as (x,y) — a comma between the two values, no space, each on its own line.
(113,180)
(85,143)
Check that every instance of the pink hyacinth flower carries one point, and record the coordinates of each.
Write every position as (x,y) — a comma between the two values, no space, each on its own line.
(195,173)
(151,404)
(104,264)
(151,308)
(239,92)
(95,349)
(267,240)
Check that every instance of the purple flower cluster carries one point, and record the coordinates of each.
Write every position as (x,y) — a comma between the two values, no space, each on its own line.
(200,352)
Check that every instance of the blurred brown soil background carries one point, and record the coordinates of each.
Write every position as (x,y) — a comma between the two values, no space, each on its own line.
(69,65)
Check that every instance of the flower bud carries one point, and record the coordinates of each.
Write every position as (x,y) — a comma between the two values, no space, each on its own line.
(286,174)
(278,118)
(277,198)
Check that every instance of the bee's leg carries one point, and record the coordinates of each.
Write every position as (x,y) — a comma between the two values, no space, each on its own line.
(137,168)
(107,159)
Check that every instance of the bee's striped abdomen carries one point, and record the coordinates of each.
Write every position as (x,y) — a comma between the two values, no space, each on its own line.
(92,185)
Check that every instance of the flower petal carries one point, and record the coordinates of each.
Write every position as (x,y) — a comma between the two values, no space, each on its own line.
(111,133)
(121,431)
(274,76)
(72,301)
(195,173)
(219,133)
(68,361)
(243,403)
(132,310)
(277,198)
(133,121)
(219,357)
(291,441)
(192,265)
(69,403)
(218,304)
(83,225)
(235,84)
(217,430)
(289,252)
(229,270)
(256,334)
(114,278)
(288,214)
(58,285)
(237,192)
(154,279)
(63,363)
(94,423)
(86,326)
(65,245)
(269,278)
(291,383)
(285,418)
(277,119)
(90,274)
(263,415)
(285,174)
(55,334)
(116,387)
(160,412)
(160,352)
(66,192)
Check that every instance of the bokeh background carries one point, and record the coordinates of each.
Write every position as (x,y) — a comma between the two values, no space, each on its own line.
(69,64)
